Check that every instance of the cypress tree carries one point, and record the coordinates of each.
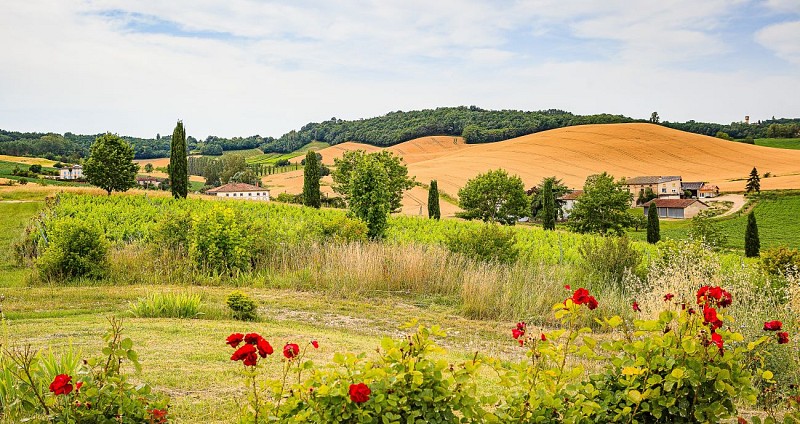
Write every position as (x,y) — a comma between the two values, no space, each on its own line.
(753,182)
(178,163)
(548,206)
(433,201)
(653,226)
(752,245)
(311,194)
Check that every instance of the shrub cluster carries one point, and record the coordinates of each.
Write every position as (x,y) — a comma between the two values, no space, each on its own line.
(487,242)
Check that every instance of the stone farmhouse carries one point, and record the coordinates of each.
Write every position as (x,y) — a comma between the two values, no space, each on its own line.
(568,202)
(669,187)
(74,172)
(240,191)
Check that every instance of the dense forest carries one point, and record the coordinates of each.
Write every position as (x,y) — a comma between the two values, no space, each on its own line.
(476,125)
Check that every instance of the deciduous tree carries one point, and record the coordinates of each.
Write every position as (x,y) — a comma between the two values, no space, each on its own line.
(370,198)
(110,164)
(493,197)
(397,173)
(602,208)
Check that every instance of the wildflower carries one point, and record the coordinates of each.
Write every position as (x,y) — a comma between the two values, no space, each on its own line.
(636,307)
(668,297)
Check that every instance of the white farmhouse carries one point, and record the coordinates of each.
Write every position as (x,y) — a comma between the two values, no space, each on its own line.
(73,172)
(240,191)
(568,202)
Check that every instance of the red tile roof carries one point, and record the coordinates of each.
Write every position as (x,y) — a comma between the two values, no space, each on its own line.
(571,196)
(673,203)
(236,187)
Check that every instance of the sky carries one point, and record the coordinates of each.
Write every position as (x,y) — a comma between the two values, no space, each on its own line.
(245,67)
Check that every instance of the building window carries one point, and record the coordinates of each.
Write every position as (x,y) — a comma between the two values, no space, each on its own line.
(664,190)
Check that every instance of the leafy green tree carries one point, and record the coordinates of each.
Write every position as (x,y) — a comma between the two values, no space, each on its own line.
(653,226)
(434,211)
(178,165)
(654,118)
(148,167)
(311,193)
(548,212)
(370,197)
(493,197)
(397,173)
(247,176)
(752,244)
(36,169)
(110,164)
(602,208)
(645,195)
(558,189)
(753,182)
(231,165)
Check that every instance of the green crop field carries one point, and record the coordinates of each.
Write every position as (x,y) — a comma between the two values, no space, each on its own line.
(781,143)
(272,158)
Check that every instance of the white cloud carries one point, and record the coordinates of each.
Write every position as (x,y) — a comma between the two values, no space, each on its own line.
(783,39)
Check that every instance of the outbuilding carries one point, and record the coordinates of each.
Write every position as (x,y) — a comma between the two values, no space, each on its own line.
(240,191)
(676,208)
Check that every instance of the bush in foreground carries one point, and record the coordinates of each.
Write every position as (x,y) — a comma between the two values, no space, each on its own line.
(76,250)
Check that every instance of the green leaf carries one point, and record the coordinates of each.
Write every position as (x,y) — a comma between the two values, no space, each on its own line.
(635,396)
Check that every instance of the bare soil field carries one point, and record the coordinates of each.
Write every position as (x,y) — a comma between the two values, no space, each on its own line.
(573,153)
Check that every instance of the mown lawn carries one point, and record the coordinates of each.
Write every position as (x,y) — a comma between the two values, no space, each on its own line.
(781,143)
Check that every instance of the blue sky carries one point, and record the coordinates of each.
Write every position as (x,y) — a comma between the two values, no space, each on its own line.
(243,67)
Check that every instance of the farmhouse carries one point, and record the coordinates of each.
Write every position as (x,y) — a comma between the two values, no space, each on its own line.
(73,172)
(665,187)
(240,191)
(708,191)
(676,208)
(148,181)
(568,202)
(692,188)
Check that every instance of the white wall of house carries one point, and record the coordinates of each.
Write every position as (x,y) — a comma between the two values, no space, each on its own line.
(71,173)
(567,206)
(246,195)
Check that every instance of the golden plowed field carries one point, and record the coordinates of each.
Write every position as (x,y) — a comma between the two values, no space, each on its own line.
(573,153)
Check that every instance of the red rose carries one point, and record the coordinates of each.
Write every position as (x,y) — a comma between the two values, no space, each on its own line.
(234,339)
(783,337)
(251,359)
(580,296)
(702,294)
(359,393)
(61,385)
(715,292)
(521,342)
(668,297)
(773,326)
(710,318)
(717,340)
(726,299)
(158,415)
(591,303)
(517,333)
(543,337)
(521,325)
(78,385)
(567,287)
(315,344)
(252,338)
(291,350)
(243,352)
(636,307)
(264,348)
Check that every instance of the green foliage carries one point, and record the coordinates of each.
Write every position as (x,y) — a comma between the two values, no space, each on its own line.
(653,227)
(548,213)
(178,164)
(607,260)
(106,394)
(752,245)
(219,241)
(342,229)
(36,169)
(723,135)
(781,261)
(602,208)
(654,118)
(246,176)
(396,172)
(434,210)
(558,189)
(493,197)
(311,176)
(645,195)
(167,305)
(110,164)
(242,307)
(487,242)
(753,182)
(783,130)
(148,167)
(230,166)
(707,231)
(370,195)
(75,249)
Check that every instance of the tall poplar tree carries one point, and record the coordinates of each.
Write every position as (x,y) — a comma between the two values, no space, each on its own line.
(653,226)
(178,163)
(752,245)
(311,194)
(548,206)
(434,212)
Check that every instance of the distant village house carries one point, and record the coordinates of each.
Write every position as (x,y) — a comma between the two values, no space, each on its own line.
(568,202)
(708,191)
(676,208)
(240,191)
(149,182)
(74,172)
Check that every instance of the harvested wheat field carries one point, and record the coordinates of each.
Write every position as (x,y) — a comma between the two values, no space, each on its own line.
(27,161)
(573,153)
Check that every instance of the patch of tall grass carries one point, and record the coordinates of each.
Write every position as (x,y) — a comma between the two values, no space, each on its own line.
(167,305)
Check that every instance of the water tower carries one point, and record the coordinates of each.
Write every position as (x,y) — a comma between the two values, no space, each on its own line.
(747,119)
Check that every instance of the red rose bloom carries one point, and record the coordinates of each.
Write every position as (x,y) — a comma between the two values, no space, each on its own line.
(359,393)
(717,340)
(61,385)
(710,318)
(783,337)
(158,415)
(252,338)
(243,352)
(715,292)
(726,299)
(567,287)
(264,348)
(543,337)
(521,342)
(580,296)
(517,333)
(251,359)
(234,339)
(291,350)
(668,297)
(315,344)
(78,385)
(636,307)
(773,326)
(591,303)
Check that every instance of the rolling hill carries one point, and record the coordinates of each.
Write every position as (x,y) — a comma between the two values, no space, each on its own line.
(573,153)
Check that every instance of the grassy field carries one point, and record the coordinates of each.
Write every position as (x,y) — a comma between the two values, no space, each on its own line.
(272,158)
(781,143)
